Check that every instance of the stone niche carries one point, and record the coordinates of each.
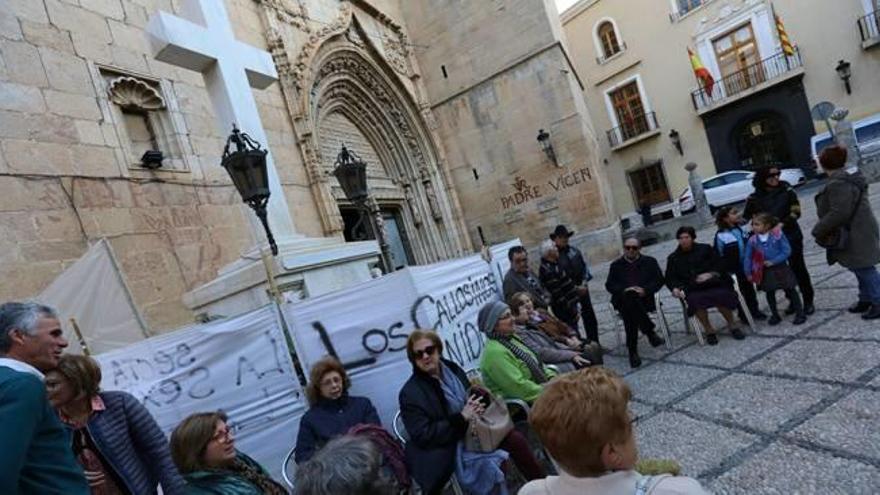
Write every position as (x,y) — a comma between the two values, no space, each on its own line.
(145,116)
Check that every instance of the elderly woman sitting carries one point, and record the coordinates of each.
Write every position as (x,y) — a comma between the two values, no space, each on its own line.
(204,450)
(583,422)
(436,405)
(694,272)
(114,437)
(509,367)
(345,465)
(333,412)
(566,354)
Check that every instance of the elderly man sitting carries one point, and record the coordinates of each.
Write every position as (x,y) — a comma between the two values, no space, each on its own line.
(633,279)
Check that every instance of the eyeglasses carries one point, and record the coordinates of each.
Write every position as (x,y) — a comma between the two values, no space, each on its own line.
(772,175)
(506,315)
(631,248)
(427,351)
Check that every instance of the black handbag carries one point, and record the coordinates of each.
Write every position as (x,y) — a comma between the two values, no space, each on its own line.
(838,239)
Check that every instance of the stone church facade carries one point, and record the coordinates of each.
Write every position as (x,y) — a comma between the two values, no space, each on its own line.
(443,105)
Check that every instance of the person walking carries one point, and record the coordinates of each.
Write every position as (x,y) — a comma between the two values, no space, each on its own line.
(575,265)
(778,198)
(843,207)
(766,263)
(35,454)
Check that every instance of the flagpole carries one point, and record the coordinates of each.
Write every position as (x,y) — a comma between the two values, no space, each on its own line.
(80,338)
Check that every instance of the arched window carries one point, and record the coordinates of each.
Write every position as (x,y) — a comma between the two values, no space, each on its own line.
(608,39)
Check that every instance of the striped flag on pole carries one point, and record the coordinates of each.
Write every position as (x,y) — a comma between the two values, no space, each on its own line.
(787,48)
(702,73)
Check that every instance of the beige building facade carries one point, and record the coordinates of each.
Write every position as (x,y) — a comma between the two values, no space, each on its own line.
(443,100)
(642,93)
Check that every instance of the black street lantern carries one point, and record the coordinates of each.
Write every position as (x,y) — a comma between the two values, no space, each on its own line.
(247,168)
(676,141)
(351,172)
(547,146)
(844,70)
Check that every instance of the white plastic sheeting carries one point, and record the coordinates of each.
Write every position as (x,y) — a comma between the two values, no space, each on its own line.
(92,291)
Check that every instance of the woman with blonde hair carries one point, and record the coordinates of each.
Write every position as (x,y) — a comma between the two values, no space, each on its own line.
(333,412)
(114,437)
(584,423)
(203,447)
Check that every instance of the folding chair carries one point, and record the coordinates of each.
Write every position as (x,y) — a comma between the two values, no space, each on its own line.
(657,316)
(694,323)
(400,433)
(287,460)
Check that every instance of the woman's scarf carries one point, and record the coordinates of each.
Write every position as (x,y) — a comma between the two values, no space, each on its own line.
(476,472)
(531,361)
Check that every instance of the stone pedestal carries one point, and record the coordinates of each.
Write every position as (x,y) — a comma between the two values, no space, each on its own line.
(304,267)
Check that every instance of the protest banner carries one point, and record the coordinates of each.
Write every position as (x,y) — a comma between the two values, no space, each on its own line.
(240,365)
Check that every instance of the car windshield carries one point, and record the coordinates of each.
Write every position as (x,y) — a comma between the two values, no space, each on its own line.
(868,133)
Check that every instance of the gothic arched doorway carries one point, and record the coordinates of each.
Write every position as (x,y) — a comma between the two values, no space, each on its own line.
(762,141)
(351,94)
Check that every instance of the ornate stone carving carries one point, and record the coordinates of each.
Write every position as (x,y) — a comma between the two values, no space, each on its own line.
(129,92)
(411,201)
(301,66)
(432,200)
(396,53)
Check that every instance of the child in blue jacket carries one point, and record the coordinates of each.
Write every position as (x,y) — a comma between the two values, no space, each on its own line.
(766,263)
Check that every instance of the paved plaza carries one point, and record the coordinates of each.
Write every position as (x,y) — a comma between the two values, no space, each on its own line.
(792,409)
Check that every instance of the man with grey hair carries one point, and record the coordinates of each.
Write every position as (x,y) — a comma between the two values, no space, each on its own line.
(347,464)
(563,292)
(36,455)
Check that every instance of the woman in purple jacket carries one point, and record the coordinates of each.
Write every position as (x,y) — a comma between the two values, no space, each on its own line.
(114,437)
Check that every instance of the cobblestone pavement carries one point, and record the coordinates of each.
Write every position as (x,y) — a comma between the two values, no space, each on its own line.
(789,410)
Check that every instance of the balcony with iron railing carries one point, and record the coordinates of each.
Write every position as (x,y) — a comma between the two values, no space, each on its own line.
(748,81)
(633,130)
(869,29)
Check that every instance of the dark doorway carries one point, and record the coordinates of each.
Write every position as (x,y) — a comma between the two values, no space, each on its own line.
(762,142)
(357,230)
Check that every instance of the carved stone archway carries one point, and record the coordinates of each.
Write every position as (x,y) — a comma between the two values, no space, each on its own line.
(341,76)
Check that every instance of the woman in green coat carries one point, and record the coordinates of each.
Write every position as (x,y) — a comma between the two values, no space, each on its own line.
(203,448)
(509,367)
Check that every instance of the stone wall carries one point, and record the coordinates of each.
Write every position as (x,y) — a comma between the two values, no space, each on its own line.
(65,180)
(508,77)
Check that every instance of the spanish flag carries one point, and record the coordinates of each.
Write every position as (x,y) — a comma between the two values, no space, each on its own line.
(783,37)
(701,73)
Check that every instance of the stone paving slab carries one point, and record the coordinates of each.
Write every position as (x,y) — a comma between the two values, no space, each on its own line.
(761,403)
(662,382)
(697,445)
(851,424)
(839,361)
(728,353)
(836,298)
(850,326)
(784,469)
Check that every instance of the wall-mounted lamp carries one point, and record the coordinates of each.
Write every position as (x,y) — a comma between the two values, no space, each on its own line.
(152,159)
(844,70)
(676,141)
(547,146)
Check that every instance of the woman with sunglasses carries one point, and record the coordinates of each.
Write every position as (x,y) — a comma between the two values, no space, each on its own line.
(779,199)
(436,405)
(203,448)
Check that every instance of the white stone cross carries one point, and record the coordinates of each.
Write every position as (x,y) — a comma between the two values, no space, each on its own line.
(206,44)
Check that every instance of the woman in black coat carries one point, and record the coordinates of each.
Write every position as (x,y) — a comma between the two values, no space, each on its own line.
(436,431)
(694,273)
(779,199)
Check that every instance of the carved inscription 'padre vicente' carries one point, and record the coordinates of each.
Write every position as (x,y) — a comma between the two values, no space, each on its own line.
(526,192)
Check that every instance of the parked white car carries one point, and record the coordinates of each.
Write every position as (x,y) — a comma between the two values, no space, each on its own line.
(733,187)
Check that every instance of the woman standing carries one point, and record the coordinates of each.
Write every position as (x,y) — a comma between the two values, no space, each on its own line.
(333,412)
(778,198)
(436,406)
(115,438)
(204,450)
(843,204)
